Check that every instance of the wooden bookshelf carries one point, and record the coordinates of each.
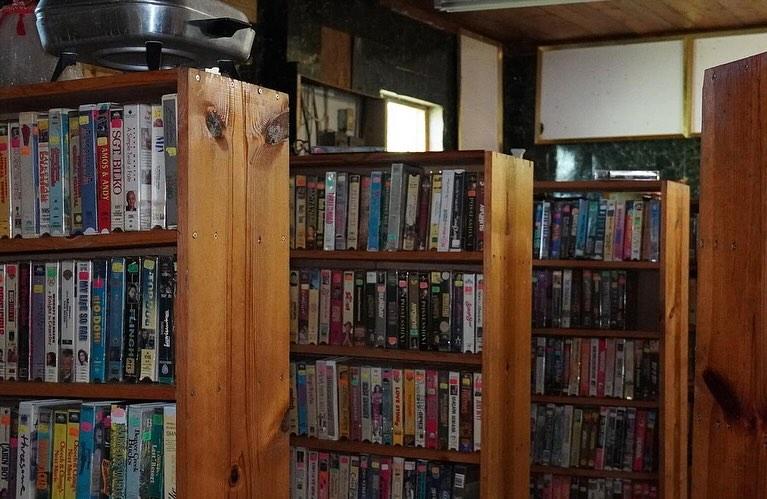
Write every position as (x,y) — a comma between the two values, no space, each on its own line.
(231,246)
(88,391)
(348,446)
(506,265)
(458,359)
(672,332)
(589,473)
(97,242)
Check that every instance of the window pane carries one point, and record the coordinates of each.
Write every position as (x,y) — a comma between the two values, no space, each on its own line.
(405,128)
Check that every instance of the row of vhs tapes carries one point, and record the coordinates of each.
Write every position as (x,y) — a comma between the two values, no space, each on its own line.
(96,169)
(70,448)
(88,321)
(546,486)
(334,399)
(397,309)
(361,476)
(405,208)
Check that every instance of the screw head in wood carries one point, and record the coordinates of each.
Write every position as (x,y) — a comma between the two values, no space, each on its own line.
(194,235)
(260,90)
(197,77)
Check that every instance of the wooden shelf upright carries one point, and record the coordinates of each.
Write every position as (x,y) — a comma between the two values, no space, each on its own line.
(506,264)
(668,313)
(231,245)
(729,431)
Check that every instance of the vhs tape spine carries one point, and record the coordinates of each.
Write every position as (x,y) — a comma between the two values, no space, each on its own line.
(158,168)
(83,338)
(43,176)
(103,168)
(68,321)
(98,320)
(116,311)
(167,291)
(148,337)
(170,120)
(52,333)
(88,175)
(117,174)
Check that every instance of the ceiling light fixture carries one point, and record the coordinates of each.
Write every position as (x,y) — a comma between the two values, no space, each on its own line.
(473,5)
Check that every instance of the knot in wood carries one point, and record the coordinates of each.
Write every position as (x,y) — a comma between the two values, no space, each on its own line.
(214,122)
(278,129)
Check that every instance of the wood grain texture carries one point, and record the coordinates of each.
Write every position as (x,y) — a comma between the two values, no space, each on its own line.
(233,355)
(586,473)
(594,20)
(730,411)
(396,355)
(596,264)
(96,242)
(468,257)
(674,409)
(506,356)
(126,87)
(88,391)
(354,447)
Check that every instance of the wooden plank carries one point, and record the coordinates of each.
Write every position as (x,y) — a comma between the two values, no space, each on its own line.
(597,333)
(233,357)
(336,57)
(352,447)
(263,382)
(542,186)
(98,242)
(594,401)
(444,158)
(468,257)
(596,264)
(108,391)
(586,473)
(506,355)
(729,455)
(124,87)
(396,355)
(674,410)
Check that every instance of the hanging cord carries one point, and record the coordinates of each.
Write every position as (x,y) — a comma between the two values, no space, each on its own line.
(19,8)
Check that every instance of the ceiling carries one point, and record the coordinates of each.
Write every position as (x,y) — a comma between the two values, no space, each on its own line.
(595,20)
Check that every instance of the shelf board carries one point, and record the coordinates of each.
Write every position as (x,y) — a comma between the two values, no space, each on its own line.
(356,160)
(348,446)
(104,391)
(594,401)
(589,473)
(96,242)
(597,333)
(597,264)
(429,357)
(123,87)
(598,186)
(467,257)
